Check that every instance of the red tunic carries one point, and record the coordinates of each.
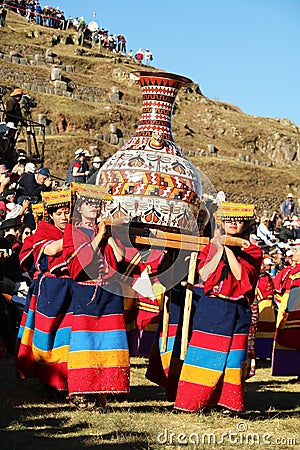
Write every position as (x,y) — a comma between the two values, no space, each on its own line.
(32,250)
(294,276)
(26,255)
(265,287)
(282,281)
(230,288)
(83,262)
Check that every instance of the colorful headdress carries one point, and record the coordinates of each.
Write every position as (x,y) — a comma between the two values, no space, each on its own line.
(55,199)
(94,194)
(37,211)
(239,211)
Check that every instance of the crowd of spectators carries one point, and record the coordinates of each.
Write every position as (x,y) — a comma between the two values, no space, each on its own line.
(48,16)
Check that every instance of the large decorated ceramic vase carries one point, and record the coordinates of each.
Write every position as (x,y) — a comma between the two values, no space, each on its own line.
(150,179)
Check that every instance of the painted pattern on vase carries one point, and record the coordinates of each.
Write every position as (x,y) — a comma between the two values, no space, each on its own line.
(150,179)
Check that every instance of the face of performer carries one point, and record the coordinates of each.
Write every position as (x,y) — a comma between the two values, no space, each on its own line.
(296,255)
(233,227)
(89,211)
(60,218)
(26,232)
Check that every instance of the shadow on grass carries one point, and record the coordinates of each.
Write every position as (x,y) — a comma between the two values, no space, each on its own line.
(141,393)
(29,439)
(30,404)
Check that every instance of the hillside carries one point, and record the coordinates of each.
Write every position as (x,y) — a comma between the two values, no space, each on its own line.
(96,103)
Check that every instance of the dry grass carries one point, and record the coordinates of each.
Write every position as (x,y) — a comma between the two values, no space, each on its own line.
(32,419)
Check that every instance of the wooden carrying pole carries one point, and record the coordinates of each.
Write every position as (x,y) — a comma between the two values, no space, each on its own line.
(165,324)
(170,241)
(188,304)
(167,240)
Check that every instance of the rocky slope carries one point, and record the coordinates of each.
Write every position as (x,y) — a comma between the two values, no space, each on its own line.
(92,99)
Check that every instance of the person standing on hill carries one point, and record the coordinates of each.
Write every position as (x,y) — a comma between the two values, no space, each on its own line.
(13,111)
(3,14)
(288,206)
(139,56)
(148,57)
(264,233)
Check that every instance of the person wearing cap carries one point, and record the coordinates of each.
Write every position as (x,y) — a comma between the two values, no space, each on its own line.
(286,232)
(14,209)
(295,229)
(263,232)
(78,169)
(96,164)
(13,116)
(288,206)
(98,356)
(286,351)
(212,371)
(33,184)
(19,167)
(13,112)
(148,57)
(30,167)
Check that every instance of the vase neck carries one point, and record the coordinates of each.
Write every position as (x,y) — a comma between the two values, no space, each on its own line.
(159,92)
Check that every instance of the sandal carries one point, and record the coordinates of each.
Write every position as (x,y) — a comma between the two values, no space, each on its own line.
(227,412)
(80,401)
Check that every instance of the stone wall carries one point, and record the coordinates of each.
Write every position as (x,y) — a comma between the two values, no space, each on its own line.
(57,85)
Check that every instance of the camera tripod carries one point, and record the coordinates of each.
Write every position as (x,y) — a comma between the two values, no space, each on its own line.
(27,133)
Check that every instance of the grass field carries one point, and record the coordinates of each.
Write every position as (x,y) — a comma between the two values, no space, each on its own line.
(32,418)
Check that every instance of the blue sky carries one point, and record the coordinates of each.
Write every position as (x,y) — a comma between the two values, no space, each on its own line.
(245,52)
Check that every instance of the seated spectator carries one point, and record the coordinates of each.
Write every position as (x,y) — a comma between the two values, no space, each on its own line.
(286,233)
(254,239)
(254,222)
(264,233)
(4,177)
(28,216)
(15,210)
(17,170)
(96,164)
(33,184)
(30,168)
(296,229)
